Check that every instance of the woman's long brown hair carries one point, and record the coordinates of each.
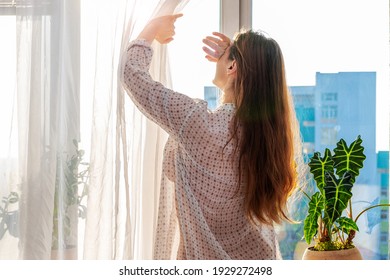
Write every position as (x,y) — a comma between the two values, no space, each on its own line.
(263,127)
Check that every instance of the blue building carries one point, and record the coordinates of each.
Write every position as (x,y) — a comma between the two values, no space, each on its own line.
(383,172)
(304,102)
(339,105)
(211,95)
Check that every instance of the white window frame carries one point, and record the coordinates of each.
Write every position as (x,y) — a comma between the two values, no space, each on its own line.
(7,7)
(235,15)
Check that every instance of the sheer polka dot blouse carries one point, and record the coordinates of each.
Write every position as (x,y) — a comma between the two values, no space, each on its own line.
(200,208)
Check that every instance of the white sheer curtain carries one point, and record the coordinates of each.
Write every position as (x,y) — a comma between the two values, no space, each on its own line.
(38,209)
(125,168)
(81,175)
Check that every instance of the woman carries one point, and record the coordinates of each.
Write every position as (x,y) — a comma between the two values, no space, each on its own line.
(233,168)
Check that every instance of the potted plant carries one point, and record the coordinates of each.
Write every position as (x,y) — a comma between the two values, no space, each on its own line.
(329,223)
(69,204)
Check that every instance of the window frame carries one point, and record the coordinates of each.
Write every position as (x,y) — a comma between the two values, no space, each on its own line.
(235,15)
(7,8)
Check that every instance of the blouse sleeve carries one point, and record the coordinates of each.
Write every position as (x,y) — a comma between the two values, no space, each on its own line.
(169,109)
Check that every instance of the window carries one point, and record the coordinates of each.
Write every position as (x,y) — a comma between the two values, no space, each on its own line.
(337,92)
(44,53)
(344,80)
(7,78)
(329,96)
(320,60)
(329,112)
(384,214)
(193,74)
(328,136)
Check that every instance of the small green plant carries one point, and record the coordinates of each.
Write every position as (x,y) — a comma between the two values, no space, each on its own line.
(9,219)
(335,175)
(69,200)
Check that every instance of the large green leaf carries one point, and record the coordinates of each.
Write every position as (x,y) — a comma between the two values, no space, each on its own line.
(310,225)
(337,194)
(349,159)
(346,224)
(319,166)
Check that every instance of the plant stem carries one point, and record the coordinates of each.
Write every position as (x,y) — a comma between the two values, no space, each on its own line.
(320,229)
(305,193)
(350,209)
(341,236)
(371,207)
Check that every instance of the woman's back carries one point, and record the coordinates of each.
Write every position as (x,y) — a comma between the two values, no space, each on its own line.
(209,202)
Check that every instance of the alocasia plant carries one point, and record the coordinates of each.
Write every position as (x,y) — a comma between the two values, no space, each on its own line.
(334,175)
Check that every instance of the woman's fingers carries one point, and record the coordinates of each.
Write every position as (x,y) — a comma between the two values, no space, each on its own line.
(223,37)
(165,26)
(175,17)
(214,40)
(213,54)
(210,55)
(216,46)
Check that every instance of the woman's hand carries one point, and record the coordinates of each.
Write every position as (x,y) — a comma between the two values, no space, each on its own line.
(217,46)
(161,29)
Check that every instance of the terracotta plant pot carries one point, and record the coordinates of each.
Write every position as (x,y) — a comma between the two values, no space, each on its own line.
(347,254)
(64,254)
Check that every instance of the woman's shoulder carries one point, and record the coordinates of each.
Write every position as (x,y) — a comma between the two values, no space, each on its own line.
(225,107)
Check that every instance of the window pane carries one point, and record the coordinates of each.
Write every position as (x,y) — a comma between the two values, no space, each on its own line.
(7,80)
(191,73)
(337,69)
(9,199)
